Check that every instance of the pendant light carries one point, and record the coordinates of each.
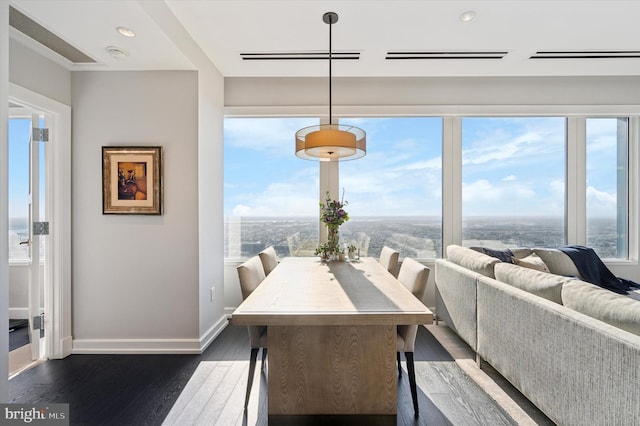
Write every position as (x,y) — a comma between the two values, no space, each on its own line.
(331,142)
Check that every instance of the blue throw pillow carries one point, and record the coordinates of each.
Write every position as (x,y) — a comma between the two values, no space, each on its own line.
(504,255)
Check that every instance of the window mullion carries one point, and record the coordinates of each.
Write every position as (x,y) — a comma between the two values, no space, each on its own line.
(451,182)
(576,182)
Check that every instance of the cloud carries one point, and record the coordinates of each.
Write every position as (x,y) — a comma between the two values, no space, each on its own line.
(511,138)
(601,203)
(275,136)
(509,178)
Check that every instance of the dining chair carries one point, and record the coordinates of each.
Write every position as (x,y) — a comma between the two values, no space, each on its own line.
(389,259)
(251,274)
(413,275)
(269,259)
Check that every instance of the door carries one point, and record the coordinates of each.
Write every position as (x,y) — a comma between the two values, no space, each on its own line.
(38,233)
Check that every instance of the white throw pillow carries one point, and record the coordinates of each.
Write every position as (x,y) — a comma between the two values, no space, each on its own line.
(558,262)
(532,262)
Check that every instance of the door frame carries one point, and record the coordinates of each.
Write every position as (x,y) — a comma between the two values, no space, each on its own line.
(58,305)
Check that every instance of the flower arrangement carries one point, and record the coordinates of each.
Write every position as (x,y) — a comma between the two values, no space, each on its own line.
(332,214)
(332,211)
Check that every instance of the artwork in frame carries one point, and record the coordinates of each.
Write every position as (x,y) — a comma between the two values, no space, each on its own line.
(132,180)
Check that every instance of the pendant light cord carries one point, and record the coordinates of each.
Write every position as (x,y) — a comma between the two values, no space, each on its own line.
(330,88)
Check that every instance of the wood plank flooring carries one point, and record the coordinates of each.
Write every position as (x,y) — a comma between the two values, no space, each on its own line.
(209,389)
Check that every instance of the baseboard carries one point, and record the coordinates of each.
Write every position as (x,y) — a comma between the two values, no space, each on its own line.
(136,346)
(18,313)
(149,346)
(209,336)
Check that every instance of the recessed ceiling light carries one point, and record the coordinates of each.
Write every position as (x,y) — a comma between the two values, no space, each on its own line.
(126,32)
(117,53)
(467,16)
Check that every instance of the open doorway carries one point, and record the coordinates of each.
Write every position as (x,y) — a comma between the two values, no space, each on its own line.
(39,229)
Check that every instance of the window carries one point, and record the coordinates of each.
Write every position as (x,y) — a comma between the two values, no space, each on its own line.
(19,189)
(607,186)
(513,181)
(270,195)
(395,191)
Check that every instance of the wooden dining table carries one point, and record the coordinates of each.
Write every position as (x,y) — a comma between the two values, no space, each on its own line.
(331,337)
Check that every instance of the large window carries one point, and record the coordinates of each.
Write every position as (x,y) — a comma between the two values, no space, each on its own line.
(514,187)
(607,186)
(513,181)
(270,195)
(395,191)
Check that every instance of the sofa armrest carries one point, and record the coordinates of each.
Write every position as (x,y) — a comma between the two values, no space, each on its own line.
(456,299)
(576,369)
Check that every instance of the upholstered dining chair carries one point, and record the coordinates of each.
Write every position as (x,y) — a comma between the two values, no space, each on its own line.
(413,275)
(389,259)
(269,259)
(251,274)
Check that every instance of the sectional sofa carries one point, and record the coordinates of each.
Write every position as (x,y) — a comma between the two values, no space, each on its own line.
(571,347)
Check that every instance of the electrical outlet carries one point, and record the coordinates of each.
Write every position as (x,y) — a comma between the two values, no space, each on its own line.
(213,293)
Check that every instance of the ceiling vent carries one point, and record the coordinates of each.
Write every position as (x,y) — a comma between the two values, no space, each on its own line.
(37,32)
(445,55)
(298,56)
(588,54)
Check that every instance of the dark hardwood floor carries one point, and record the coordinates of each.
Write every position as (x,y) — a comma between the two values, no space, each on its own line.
(208,389)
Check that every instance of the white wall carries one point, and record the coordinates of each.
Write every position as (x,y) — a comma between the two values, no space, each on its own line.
(135,278)
(445,93)
(39,74)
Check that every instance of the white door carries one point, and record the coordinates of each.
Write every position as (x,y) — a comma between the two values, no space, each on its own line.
(38,234)
(37,221)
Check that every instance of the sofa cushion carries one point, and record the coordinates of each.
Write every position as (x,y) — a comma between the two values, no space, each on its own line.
(535,282)
(615,309)
(471,259)
(532,262)
(558,262)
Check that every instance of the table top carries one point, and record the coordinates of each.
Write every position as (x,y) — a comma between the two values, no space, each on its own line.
(305,291)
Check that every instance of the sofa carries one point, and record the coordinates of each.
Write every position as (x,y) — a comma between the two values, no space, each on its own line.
(571,347)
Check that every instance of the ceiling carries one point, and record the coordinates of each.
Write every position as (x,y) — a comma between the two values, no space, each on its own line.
(423,37)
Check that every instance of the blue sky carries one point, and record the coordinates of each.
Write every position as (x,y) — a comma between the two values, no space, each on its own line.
(511,166)
(19,167)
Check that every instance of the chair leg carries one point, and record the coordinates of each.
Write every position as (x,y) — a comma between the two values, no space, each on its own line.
(264,357)
(412,382)
(399,366)
(252,367)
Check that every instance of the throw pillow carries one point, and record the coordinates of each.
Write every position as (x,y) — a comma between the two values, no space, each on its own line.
(532,262)
(558,262)
(615,309)
(503,255)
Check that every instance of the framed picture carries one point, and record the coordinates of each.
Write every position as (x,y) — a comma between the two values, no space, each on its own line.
(132,180)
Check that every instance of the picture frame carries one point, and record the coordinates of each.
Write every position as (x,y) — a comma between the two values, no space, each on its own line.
(132,180)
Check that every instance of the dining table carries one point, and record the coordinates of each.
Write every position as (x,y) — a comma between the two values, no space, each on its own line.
(331,338)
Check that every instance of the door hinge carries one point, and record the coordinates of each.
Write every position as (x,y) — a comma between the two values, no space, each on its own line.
(40,228)
(38,324)
(40,135)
